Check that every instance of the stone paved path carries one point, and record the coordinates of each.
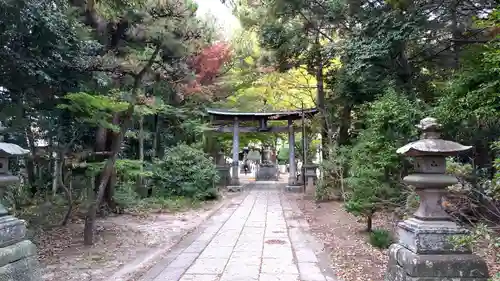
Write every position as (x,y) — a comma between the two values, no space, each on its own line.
(257,237)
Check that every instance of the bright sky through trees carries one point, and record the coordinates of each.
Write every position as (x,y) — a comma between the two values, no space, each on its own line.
(222,14)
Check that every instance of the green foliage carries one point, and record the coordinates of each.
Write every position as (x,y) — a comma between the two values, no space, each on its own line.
(283,155)
(381,238)
(391,47)
(480,234)
(312,146)
(94,110)
(468,106)
(495,182)
(185,171)
(373,179)
(15,197)
(458,169)
(331,184)
(42,47)
(127,197)
(412,203)
(128,170)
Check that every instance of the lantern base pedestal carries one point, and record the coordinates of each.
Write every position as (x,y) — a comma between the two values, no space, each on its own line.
(430,237)
(425,253)
(267,172)
(294,188)
(405,265)
(234,188)
(18,259)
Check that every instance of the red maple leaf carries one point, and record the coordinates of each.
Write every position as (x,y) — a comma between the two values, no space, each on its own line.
(207,65)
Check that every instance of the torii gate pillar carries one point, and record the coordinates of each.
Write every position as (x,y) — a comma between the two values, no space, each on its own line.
(292,171)
(235,181)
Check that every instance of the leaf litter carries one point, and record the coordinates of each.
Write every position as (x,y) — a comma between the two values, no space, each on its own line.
(120,240)
(351,256)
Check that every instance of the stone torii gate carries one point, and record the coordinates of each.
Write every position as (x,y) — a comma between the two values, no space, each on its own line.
(227,121)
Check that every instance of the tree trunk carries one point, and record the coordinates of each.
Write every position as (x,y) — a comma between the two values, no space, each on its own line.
(100,146)
(156,136)
(104,142)
(55,175)
(345,124)
(88,232)
(160,151)
(320,97)
(139,184)
(455,33)
(110,191)
(30,161)
(109,167)
(67,189)
(369,223)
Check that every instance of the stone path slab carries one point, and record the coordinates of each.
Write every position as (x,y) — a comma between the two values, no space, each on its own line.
(260,237)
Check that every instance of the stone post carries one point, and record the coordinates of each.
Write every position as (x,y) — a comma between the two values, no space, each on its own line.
(424,251)
(292,176)
(235,181)
(18,255)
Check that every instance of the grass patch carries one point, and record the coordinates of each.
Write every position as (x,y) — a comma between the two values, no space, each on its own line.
(159,204)
(381,238)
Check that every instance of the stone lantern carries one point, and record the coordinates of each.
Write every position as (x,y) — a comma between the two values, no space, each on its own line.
(310,174)
(424,251)
(245,151)
(18,255)
(267,169)
(223,169)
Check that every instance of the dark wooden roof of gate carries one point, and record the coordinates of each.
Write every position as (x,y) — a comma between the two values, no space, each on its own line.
(225,114)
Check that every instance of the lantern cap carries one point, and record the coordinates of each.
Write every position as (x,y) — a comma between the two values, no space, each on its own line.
(10,149)
(430,142)
(429,124)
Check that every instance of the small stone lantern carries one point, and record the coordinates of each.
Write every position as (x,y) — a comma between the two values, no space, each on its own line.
(267,169)
(310,173)
(18,260)
(424,251)
(223,169)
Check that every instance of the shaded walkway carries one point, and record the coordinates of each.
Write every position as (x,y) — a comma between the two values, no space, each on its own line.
(257,237)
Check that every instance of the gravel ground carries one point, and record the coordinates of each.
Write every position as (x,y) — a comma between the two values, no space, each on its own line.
(120,241)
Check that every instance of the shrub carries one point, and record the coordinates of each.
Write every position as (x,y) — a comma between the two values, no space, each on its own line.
(373,181)
(185,171)
(381,238)
(125,195)
(331,185)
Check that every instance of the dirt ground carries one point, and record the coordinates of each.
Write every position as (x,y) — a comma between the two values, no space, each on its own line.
(124,243)
(352,257)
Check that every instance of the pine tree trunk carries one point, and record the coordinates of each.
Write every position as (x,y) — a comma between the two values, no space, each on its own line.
(88,231)
(369,223)
(30,162)
(139,184)
(109,167)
